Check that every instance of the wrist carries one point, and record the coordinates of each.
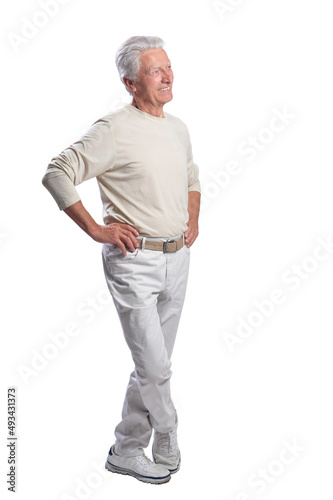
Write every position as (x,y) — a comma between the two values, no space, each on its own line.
(194,221)
(94,231)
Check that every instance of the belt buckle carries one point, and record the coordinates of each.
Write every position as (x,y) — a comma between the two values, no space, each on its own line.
(165,245)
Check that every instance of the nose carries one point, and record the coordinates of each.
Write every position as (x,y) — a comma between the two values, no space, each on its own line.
(167,76)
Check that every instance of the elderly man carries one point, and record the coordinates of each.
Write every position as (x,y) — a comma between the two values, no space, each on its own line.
(142,159)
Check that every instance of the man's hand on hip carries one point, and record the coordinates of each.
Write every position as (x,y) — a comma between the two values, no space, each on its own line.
(118,233)
(122,235)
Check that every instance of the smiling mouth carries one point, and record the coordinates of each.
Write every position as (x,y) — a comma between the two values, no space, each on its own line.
(166,89)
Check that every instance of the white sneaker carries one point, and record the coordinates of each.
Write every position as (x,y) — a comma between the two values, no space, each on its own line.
(139,467)
(166,451)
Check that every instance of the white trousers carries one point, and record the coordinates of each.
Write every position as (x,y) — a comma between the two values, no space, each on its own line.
(148,289)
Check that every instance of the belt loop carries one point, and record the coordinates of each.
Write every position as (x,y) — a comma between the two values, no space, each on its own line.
(183,239)
(143,243)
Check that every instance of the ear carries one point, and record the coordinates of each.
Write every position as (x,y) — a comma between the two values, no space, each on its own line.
(129,84)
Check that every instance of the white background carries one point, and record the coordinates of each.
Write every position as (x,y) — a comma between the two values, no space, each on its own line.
(237,407)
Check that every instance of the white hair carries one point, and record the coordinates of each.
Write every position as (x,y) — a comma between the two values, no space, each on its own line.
(128,55)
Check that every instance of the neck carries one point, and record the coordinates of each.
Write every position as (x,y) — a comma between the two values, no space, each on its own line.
(149,108)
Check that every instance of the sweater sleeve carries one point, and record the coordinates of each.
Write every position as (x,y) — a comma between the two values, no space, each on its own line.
(192,169)
(90,156)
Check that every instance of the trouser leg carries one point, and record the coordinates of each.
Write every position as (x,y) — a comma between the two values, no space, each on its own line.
(134,431)
(170,302)
(149,316)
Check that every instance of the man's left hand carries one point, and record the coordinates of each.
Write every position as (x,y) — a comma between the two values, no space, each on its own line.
(192,233)
(193,210)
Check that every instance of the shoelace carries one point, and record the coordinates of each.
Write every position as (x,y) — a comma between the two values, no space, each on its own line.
(144,460)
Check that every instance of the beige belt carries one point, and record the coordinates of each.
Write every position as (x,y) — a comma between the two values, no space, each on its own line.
(163,246)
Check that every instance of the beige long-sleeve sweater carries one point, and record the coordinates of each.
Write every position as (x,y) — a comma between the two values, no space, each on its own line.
(144,169)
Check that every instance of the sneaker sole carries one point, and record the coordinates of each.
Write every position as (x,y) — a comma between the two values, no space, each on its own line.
(128,472)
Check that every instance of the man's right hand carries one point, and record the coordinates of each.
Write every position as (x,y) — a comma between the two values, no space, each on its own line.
(122,235)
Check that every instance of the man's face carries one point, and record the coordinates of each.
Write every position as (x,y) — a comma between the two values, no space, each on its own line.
(154,85)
